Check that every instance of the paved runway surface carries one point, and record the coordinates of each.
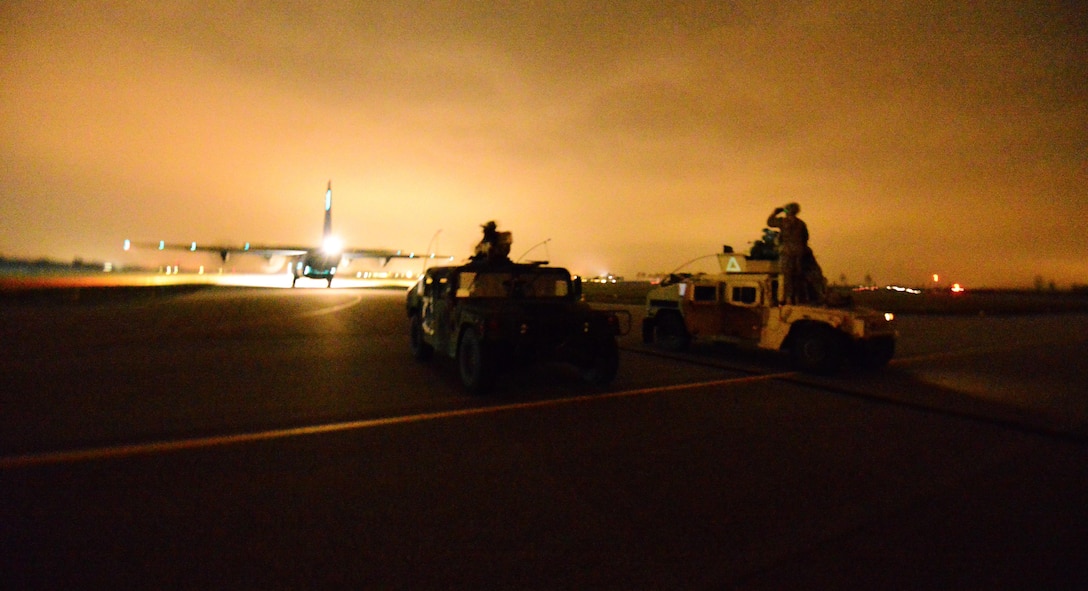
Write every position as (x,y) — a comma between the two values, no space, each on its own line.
(252,438)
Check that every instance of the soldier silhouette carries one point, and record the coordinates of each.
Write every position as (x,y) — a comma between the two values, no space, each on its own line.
(792,243)
(494,246)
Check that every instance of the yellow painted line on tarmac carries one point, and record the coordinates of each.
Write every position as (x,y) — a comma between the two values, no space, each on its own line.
(145,449)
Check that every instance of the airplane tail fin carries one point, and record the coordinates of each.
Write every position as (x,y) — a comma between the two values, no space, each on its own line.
(328,211)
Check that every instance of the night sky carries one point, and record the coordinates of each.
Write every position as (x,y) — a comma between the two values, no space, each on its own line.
(919,137)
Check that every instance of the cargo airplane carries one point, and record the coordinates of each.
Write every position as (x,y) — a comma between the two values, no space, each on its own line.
(314,262)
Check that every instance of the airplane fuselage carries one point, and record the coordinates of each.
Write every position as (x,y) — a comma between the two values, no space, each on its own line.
(315,265)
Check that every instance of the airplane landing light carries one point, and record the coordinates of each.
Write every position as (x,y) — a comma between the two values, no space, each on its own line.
(332,245)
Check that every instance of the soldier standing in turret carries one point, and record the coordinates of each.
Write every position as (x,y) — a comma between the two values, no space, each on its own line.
(495,245)
(793,241)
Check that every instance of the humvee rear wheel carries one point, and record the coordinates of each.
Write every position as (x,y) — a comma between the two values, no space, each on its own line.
(670,332)
(420,349)
(602,368)
(475,363)
(818,349)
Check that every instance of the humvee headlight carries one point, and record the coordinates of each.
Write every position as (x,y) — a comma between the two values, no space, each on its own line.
(889,316)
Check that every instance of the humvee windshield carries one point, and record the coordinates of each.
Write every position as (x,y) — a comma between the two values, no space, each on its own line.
(496,284)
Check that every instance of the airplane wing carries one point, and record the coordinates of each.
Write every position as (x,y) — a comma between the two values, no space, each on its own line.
(387,254)
(273,250)
(384,254)
(221,250)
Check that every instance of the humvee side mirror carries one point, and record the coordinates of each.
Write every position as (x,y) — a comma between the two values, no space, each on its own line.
(576,285)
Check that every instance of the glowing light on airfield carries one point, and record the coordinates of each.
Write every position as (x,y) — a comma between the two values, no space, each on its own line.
(332,245)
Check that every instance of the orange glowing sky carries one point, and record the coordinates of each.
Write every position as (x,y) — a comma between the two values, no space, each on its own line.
(919,137)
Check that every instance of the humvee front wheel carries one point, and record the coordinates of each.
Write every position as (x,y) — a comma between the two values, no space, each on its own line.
(604,364)
(818,349)
(670,332)
(475,363)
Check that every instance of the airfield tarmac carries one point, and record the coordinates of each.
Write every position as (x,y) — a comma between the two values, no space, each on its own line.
(250,437)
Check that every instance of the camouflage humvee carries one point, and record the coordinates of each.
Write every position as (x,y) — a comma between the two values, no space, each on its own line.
(492,315)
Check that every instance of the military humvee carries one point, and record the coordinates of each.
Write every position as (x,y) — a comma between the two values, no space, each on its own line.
(741,306)
(492,315)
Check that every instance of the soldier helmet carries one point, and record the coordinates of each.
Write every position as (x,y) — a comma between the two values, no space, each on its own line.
(793,208)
